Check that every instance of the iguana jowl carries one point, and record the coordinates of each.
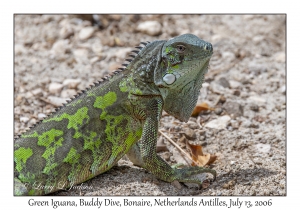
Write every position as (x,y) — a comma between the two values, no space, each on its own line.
(118,116)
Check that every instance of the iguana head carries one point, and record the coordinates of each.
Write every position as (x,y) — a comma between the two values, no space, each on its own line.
(184,62)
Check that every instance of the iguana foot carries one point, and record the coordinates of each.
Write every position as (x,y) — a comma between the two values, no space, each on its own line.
(185,174)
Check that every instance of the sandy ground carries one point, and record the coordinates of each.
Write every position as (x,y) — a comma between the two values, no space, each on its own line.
(58,55)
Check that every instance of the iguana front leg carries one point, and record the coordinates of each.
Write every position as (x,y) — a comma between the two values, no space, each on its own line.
(144,152)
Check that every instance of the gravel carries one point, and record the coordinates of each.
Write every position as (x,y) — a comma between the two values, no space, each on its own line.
(247,71)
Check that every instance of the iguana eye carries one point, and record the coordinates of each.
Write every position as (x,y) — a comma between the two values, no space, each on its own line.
(180,48)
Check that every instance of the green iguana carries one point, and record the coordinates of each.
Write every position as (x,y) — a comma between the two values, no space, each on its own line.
(117,116)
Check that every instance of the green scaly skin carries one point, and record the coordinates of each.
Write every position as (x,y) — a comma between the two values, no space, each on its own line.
(117,116)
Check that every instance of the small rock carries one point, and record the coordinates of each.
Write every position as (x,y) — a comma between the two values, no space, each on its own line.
(19,98)
(280,57)
(204,90)
(166,156)
(119,42)
(37,92)
(115,17)
(225,186)
(177,157)
(202,132)
(192,125)
(205,84)
(64,22)
(55,87)
(220,123)
(254,107)
(257,39)
(57,101)
(218,110)
(24,119)
(222,99)
(263,148)
(233,108)
(32,121)
(86,33)
(234,84)
(182,144)
(189,134)
(257,99)
(97,48)
(22,89)
(28,95)
(68,93)
(176,184)
(39,46)
(41,116)
(161,147)
(66,31)
(60,47)
(248,17)
(229,185)
(236,92)
(84,19)
(223,82)
(19,49)
(257,68)
(202,138)
(81,53)
(152,28)
(122,53)
(240,53)
(255,131)
(71,83)
(47,18)
(94,59)
(228,56)
(216,38)
(134,18)
(217,88)
(204,144)
(235,124)
(283,89)
(247,124)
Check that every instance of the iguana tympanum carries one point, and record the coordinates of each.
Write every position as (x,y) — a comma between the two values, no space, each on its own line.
(119,115)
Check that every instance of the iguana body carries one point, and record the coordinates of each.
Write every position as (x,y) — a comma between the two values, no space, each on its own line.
(119,115)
